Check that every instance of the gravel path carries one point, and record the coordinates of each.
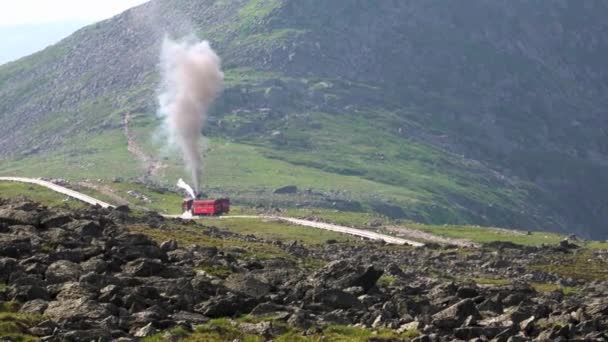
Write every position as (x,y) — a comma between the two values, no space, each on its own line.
(306,223)
(60,189)
(428,237)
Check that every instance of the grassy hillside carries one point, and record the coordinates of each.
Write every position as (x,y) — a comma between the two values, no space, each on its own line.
(435,122)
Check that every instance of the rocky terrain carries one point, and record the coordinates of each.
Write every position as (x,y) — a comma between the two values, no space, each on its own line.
(105,274)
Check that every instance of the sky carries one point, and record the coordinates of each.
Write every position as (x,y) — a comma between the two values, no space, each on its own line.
(27,26)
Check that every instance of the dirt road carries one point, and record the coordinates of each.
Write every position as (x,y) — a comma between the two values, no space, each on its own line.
(319,225)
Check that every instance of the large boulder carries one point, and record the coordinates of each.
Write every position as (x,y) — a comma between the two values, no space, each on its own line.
(56,219)
(226,305)
(455,315)
(85,228)
(14,246)
(8,266)
(83,308)
(143,267)
(34,307)
(136,246)
(337,299)
(72,290)
(247,284)
(343,274)
(19,217)
(62,271)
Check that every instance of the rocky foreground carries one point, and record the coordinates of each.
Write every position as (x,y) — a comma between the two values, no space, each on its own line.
(82,275)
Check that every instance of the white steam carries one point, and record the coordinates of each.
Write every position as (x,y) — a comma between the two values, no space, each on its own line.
(191,79)
(185,186)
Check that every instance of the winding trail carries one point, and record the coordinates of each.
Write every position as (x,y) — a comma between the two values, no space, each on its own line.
(306,223)
(153,166)
(401,231)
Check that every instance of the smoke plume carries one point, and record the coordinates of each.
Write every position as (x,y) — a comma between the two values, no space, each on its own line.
(181,184)
(191,80)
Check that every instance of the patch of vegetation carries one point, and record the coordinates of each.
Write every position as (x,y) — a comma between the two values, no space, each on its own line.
(221,329)
(175,334)
(597,245)
(345,218)
(386,280)
(491,281)
(14,325)
(187,235)
(581,264)
(547,287)
(224,329)
(216,271)
(38,194)
(487,234)
(277,230)
(253,12)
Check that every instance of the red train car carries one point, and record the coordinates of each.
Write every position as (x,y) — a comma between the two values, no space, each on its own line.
(207,207)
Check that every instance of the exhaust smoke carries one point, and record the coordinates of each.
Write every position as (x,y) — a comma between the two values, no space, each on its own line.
(191,79)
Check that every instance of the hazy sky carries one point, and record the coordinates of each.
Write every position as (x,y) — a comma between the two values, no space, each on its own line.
(26,12)
(27,26)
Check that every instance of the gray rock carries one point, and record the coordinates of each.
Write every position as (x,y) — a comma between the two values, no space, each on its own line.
(62,271)
(468,333)
(55,219)
(23,293)
(343,274)
(189,318)
(75,290)
(455,315)
(85,308)
(143,267)
(97,265)
(226,305)
(247,284)
(14,246)
(34,307)
(337,299)
(146,331)
(169,246)
(85,228)
(19,217)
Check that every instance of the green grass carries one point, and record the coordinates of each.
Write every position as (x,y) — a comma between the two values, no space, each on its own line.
(253,12)
(386,280)
(597,245)
(581,264)
(486,234)
(491,281)
(216,271)
(277,230)
(188,235)
(346,218)
(38,194)
(14,325)
(546,287)
(406,176)
(223,329)
(540,287)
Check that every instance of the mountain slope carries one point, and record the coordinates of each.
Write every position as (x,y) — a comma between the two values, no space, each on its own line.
(485,112)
